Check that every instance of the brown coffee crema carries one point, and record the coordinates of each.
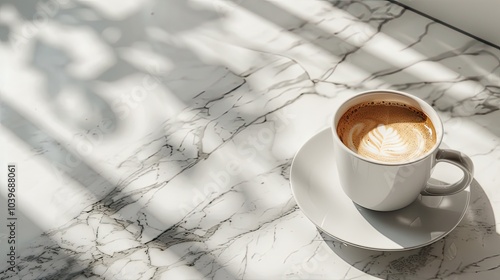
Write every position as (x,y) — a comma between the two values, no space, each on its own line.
(387,131)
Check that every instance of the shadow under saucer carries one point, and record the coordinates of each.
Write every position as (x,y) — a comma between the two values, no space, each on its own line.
(317,190)
(470,251)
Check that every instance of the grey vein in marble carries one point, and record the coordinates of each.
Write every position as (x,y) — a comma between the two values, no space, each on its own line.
(192,181)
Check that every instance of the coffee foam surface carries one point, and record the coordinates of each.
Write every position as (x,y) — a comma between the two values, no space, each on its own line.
(386,131)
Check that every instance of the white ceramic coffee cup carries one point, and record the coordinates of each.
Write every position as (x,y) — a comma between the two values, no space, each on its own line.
(384,186)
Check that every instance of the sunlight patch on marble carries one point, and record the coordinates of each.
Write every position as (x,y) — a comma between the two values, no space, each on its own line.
(199,160)
(51,197)
(113,11)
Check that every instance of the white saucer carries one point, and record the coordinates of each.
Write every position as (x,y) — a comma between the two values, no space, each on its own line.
(315,186)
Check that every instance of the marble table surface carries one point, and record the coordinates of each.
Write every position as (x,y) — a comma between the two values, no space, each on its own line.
(153,139)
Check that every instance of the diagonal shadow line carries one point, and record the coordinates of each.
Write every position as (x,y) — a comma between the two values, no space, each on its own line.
(100,186)
(271,13)
(282,18)
(81,174)
(25,131)
(276,15)
(24,224)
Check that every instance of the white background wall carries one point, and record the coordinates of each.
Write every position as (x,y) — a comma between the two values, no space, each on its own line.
(478,17)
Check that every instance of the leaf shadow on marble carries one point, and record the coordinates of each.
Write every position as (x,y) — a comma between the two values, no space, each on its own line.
(61,86)
(73,258)
(59,262)
(460,253)
(52,60)
(4,32)
(84,173)
(66,261)
(118,199)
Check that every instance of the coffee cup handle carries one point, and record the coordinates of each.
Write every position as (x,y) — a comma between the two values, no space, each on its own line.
(461,161)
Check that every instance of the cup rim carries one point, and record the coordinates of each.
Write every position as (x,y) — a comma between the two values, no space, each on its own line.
(427,108)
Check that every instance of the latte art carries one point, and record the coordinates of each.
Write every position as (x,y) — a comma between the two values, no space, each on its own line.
(389,132)
(384,143)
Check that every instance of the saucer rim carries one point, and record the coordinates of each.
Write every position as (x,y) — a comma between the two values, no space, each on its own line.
(402,248)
